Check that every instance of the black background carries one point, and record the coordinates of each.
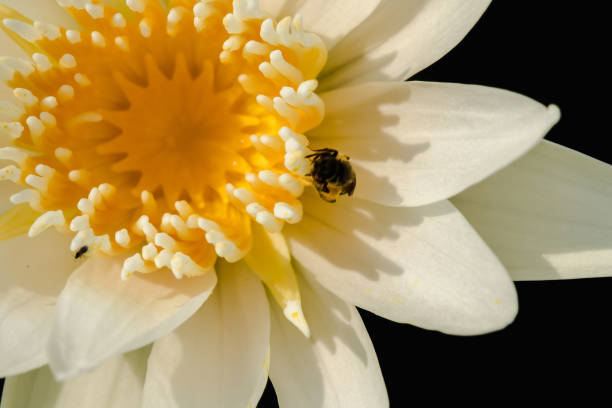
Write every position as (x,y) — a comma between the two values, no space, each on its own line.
(553,52)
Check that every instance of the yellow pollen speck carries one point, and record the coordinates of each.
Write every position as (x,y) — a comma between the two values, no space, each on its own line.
(496,301)
(155,134)
(368,290)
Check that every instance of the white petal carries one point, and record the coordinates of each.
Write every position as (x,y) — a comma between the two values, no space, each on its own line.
(7,188)
(32,274)
(399,39)
(425,266)
(5,95)
(40,265)
(337,367)
(25,323)
(547,216)
(331,20)
(45,11)
(219,357)
(99,315)
(415,143)
(116,384)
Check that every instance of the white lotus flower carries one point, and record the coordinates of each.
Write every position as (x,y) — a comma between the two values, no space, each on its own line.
(172,144)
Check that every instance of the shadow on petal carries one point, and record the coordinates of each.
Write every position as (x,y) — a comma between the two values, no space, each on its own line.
(340,317)
(546,215)
(349,57)
(362,129)
(337,366)
(350,221)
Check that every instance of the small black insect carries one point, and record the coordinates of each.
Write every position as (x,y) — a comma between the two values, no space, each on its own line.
(332,174)
(81,252)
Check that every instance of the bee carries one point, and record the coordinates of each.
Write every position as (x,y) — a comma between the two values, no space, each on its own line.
(332,174)
(81,252)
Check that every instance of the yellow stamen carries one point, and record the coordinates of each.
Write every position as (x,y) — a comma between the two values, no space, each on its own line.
(271,261)
(161,131)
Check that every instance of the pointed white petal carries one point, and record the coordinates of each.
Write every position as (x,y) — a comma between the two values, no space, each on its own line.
(547,216)
(399,39)
(337,367)
(33,272)
(116,384)
(331,20)
(425,266)
(415,143)
(99,315)
(219,357)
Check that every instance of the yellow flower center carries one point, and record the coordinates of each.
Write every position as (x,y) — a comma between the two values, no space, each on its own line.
(161,132)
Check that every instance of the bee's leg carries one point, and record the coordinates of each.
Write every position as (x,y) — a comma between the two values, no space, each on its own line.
(325,198)
(351,188)
(332,152)
(324,151)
